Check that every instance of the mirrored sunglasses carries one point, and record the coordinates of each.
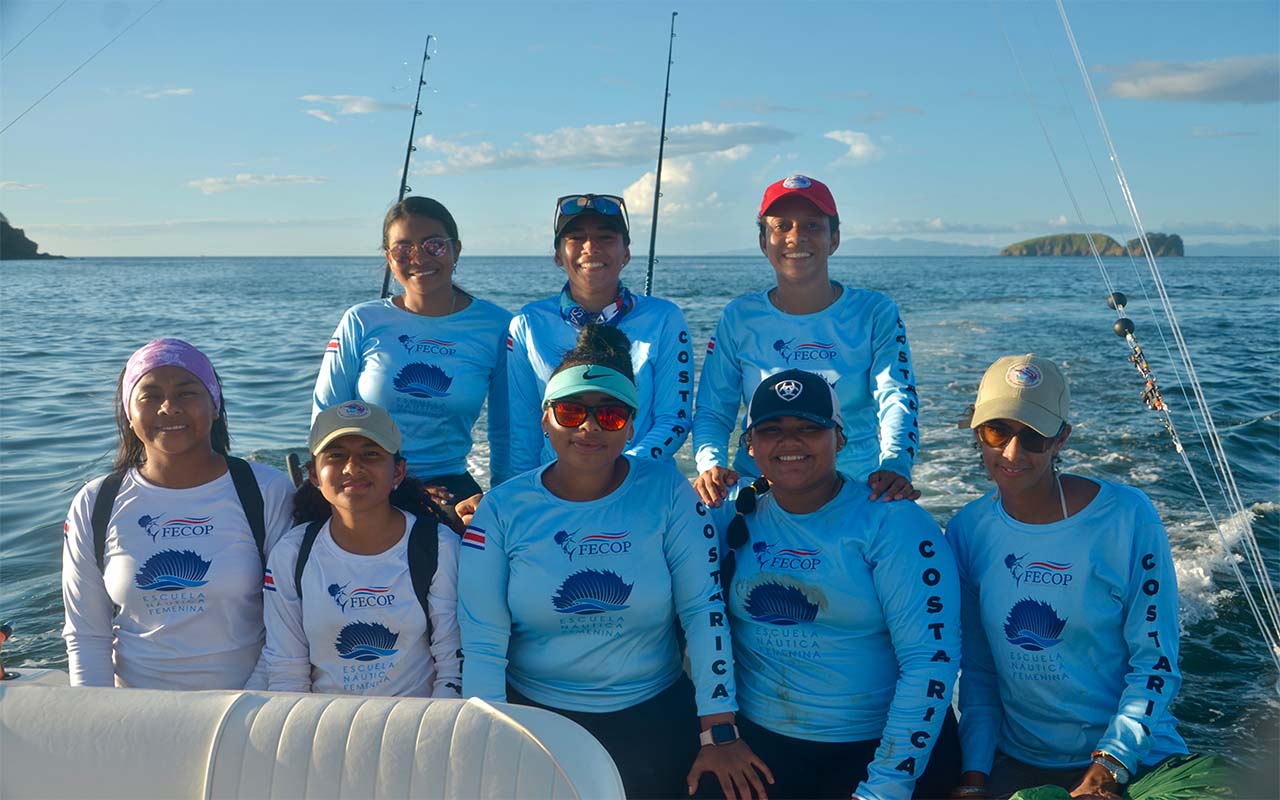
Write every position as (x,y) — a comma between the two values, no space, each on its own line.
(570,415)
(432,247)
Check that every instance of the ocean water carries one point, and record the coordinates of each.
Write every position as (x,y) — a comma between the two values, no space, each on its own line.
(70,325)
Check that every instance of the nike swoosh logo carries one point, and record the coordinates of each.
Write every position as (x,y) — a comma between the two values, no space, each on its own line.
(587,376)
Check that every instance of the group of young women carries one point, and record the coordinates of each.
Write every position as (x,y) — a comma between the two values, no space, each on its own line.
(789,625)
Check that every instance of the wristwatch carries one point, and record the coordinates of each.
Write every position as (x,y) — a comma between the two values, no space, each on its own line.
(722,733)
(1119,772)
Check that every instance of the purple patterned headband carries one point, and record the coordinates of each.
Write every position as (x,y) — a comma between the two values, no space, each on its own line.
(164,353)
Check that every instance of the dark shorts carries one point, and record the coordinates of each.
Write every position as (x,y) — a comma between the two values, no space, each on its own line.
(653,743)
(808,769)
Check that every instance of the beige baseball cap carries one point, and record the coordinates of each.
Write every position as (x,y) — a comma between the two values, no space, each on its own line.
(354,418)
(1028,389)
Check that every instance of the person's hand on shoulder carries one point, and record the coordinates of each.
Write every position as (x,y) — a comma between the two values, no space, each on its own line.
(713,485)
(467,508)
(889,485)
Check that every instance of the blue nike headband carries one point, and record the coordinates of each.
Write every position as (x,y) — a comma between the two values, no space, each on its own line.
(591,378)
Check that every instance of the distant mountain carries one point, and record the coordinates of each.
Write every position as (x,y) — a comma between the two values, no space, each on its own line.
(1269,247)
(14,244)
(1077,244)
(881,246)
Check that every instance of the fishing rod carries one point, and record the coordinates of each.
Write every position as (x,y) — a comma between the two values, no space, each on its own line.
(413,123)
(291,461)
(662,140)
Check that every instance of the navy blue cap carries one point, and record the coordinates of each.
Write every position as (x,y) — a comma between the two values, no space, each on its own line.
(795,393)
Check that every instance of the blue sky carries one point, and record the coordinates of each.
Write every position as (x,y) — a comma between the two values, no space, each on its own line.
(279,128)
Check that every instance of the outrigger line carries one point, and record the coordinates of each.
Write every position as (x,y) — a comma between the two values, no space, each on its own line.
(1261,597)
(404,175)
(662,140)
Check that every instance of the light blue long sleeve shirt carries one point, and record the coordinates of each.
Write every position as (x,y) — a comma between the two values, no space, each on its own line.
(661,355)
(575,603)
(846,627)
(1070,634)
(858,343)
(432,373)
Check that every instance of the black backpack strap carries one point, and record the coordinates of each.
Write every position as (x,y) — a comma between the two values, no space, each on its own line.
(424,554)
(304,552)
(250,495)
(102,506)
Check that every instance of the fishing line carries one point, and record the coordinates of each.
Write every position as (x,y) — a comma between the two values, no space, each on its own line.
(1231,492)
(82,66)
(33,30)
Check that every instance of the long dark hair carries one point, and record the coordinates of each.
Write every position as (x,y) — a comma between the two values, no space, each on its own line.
(309,504)
(132,453)
(602,345)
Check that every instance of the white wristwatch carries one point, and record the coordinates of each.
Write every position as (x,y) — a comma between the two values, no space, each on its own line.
(721,733)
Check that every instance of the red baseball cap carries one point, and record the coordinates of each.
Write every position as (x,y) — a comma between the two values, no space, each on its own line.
(814,191)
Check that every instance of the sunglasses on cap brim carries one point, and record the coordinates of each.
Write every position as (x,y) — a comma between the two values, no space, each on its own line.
(998,435)
(608,205)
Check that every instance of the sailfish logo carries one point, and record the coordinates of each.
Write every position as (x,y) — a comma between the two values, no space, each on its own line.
(1044,572)
(807,351)
(565,540)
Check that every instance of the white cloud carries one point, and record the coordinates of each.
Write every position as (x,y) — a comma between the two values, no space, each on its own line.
(1059,221)
(1239,79)
(1210,132)
(677,174)
(318,114)
(861,148)
(353,104)
(1206,227)
(15,186)
(598,146)
(167,93)
(245,180)
(95,229)
(735,153)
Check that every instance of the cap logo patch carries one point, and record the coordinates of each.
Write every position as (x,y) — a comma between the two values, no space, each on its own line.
(788,390)
(353,409)
(797,182)
(1023,376)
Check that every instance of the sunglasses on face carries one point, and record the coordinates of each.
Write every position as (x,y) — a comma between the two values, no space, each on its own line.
(608,205)
(998,435)
(432,247)
(570,415)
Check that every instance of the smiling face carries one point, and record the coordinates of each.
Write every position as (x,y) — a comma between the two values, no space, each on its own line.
(1016,469)
(592,252)
(420,274)
(588,446)
(795,454)
(797,239)
(356,474)
(172,413)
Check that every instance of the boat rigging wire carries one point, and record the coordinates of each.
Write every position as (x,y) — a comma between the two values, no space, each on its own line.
(33,30)
(662,140)
(404,175)
(83,64)
(1264,606)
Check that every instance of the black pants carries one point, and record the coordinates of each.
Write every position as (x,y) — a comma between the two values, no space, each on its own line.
(805,769)
(653,743)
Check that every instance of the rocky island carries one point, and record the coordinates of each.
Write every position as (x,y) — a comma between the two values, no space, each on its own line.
(14,244)
(1077,244)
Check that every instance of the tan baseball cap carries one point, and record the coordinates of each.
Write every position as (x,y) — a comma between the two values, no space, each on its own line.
(354,418)
(1028,389)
